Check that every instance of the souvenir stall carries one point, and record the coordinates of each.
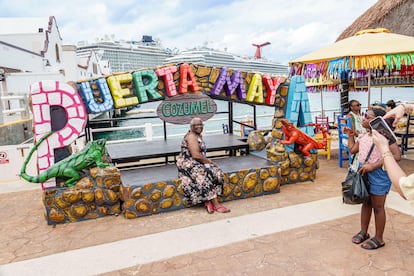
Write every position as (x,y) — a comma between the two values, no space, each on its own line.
(370,58)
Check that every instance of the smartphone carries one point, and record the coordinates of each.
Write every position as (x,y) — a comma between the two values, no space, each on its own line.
(379,124)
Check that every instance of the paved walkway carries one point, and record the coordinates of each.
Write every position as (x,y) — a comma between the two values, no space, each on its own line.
(303,230)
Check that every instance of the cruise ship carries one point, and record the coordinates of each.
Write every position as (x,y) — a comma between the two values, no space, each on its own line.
(126,55)
(148,53)
(212,57)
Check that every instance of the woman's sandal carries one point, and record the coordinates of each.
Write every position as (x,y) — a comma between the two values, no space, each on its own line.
(209,206)
(360,237)
(372,244)
(221,209)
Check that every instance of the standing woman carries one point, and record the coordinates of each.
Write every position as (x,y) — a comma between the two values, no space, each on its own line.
(380,183)
(357,128)
(356,117)
(201,178)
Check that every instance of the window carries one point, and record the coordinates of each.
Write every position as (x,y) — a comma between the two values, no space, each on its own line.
(57,53)
(95,68)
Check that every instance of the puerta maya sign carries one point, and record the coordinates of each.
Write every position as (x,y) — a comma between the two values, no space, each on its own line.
(186,90)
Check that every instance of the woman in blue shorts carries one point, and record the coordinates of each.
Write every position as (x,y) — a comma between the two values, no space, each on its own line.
(380,183)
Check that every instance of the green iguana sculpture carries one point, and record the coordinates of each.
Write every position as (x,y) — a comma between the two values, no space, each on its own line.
(69,167)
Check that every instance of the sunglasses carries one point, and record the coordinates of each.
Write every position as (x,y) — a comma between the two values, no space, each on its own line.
(356,105)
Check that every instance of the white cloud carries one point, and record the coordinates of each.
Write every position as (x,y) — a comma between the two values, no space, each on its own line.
(294,28)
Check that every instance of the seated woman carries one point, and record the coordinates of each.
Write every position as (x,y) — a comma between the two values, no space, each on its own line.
(201,178)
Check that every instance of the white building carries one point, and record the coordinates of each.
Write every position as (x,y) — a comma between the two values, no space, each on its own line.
(32,50)
(91,65)
(30,44)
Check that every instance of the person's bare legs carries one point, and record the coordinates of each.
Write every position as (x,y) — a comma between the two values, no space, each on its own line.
(378,202)
(366,211)
(215,202)
(209,206)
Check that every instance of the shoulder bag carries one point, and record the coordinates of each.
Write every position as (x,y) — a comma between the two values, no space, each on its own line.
(355,188)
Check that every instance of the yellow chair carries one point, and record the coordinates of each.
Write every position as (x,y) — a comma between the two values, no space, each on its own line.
(322,121)
(319,137)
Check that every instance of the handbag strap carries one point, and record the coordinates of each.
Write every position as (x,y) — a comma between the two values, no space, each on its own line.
(366,159)
(369,153)
(353,158)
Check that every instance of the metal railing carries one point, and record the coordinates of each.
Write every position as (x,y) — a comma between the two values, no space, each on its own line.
(148,129)
(7,106)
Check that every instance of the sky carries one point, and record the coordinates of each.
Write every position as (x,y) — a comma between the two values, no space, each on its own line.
(294,28)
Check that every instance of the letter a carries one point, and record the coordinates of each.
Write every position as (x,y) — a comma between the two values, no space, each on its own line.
(187,79)
(255,92)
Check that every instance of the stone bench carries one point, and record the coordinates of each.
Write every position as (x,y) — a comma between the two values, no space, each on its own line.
(95,195)
(150,190)
(154,190)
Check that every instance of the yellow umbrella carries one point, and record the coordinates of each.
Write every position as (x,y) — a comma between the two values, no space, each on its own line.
(368,49)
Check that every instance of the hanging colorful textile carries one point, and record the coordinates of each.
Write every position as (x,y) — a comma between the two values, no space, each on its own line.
(314,73)
(336,67)
(395,60)
(372,62)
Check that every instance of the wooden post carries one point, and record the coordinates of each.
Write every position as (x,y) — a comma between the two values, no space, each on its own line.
(344,90)
(369,87)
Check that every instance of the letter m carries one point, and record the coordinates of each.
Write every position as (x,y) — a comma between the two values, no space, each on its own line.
(230,84)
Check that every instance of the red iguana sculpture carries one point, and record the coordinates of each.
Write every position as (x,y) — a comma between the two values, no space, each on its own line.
(305,142)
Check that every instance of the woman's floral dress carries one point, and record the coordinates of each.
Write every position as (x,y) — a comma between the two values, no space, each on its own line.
(200,182)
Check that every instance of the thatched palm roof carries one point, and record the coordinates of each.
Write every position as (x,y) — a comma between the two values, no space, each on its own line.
(394,15)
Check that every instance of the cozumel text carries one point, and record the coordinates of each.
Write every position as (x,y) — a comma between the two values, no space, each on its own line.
(186,108)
